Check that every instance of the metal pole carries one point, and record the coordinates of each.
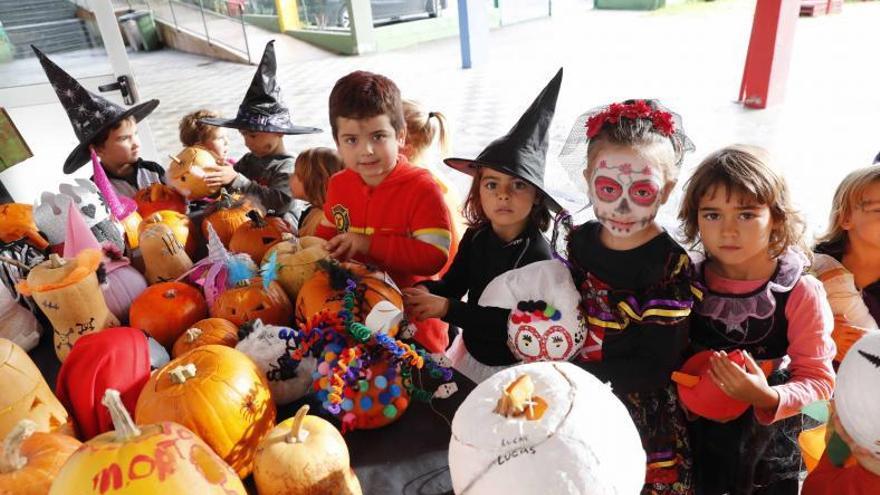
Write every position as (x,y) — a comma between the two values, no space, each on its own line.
(247,47)
(173,15)
(204,22)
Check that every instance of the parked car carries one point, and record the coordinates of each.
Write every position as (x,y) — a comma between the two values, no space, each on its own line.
(335,12)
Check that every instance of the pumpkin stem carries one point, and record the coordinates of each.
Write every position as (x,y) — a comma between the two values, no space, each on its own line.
(181,374)
(122,423)
(192,334)
(155,218)
(56,261)
(12,460)
(287,236)
(225,199)
(174,159)
(256,218)
(297,434)
(169,294)
(154,192)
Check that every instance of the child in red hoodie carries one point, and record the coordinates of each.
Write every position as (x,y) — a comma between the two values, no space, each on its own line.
(381,209)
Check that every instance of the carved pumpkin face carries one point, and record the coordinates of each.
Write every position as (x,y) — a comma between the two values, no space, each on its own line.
(168,309)
(257,235)
(206,332)
(187,174)
(41,455)
(25,393)
(297,261)
(155,458)
(249,302)
(159,197)
(372,287)
(226,215)
(219,394)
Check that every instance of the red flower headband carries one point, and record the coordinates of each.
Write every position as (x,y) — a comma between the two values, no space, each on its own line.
(639,109)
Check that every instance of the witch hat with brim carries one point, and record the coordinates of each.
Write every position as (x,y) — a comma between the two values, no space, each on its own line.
(89,114)
(522,152)
(262,109)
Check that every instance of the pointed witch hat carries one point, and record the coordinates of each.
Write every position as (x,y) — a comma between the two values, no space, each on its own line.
(89,113)
(522,152)
(262,109)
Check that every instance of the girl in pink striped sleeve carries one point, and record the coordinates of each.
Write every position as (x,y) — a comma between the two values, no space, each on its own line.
(757,299)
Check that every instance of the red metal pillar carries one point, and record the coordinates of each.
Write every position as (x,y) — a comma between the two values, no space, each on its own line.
(767,61)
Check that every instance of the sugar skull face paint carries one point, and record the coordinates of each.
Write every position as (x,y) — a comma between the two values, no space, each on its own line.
(626,191)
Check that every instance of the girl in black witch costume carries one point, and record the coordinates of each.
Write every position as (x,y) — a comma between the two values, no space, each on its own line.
(263,120)
(507,208)
(634,279)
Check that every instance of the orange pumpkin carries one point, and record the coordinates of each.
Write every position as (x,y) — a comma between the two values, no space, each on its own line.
(219,394)
(250,301)
(206,332)
(17,221)
(25,393)
(372,286)
(159,197)
(226,215)
(297,260)
(180,224)
(304,454)
(166,310)
(257,235)
(30,460)
(154,458)
(187,174)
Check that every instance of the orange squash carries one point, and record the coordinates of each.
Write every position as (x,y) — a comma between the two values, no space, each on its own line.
(372,286)
(30,460)
(219,394)
(250,301)
(304,455)
(164,257)
(257,235)
(206,332)
(297,260)
(186,172)
(226,215)
(159,197)
(180,224)
(155,458)
(25,393)
(166,310)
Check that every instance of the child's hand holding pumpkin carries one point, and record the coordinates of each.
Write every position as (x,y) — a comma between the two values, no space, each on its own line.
(219,175)
(748,385)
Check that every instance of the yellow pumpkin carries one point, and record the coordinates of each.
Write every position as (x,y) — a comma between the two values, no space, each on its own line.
(297,261)
(304,455)
(164,257)
(155,458)
(186,173)
(218,393)
(30,460)
(25,393)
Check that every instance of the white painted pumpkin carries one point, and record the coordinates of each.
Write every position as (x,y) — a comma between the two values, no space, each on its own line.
(855,396)
(268,350)
(557,331)
(584,443)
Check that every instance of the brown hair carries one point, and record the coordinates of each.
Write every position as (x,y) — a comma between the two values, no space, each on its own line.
(192,132)
(101,138)
(364,95)
(475,217)
(422,128)
(847,198)
(744,170)
(313,168)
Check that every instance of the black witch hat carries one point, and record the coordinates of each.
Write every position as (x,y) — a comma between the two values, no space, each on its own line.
(262,109)
(522,152)
(89,113)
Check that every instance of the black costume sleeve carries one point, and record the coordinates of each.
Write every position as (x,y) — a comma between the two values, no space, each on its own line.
(454,284)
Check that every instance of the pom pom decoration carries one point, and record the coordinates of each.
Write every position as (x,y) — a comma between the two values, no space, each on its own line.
(524,419)
(220,270)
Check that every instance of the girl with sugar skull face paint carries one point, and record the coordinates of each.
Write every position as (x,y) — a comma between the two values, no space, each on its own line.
(634,280)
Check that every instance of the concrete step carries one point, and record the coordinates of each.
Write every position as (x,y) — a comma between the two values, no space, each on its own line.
(25,17)
(50,36)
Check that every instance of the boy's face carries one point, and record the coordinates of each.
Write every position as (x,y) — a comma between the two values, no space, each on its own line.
(263,143)
(369,146)
(121,149)
(218,142)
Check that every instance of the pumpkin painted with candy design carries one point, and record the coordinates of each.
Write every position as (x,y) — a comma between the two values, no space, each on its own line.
(304,455)
(159,197)
(326,289)
(219,394)
(226,215)
(160,458)
(167,309)
(30,460)
(25,393)
(297,260)
(258,234)
(180,225)
(206,332)
(186,173)
(250,301)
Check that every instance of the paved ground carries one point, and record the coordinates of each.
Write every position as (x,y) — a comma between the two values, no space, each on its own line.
(689,56)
